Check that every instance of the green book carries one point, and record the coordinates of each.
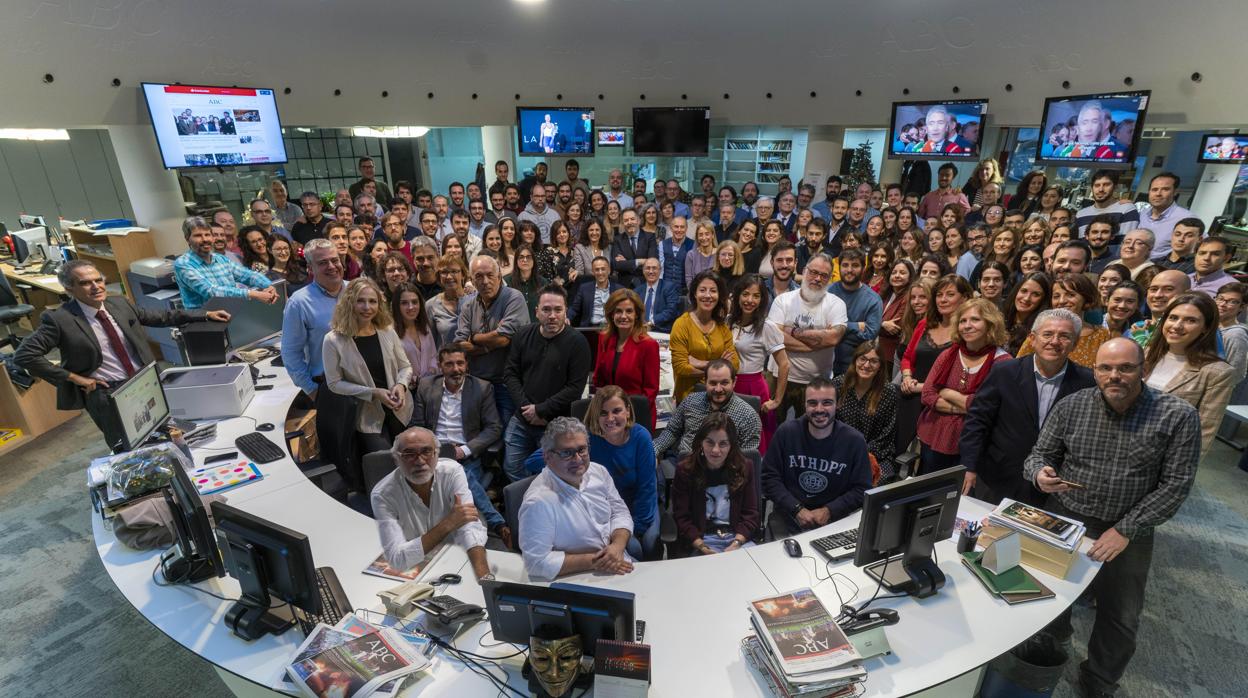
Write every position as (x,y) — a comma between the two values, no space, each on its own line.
(1014,581)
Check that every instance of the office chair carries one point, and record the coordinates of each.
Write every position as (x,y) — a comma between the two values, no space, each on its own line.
(377,465)
(513,496)
(11,313)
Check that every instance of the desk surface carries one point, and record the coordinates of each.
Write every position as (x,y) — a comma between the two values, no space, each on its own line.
(46,282)
(695,609)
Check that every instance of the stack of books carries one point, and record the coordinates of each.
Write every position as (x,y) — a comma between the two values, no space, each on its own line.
(355,659)
(799,649)
(1037,524)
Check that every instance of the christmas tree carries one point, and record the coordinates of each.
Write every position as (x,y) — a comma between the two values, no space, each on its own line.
(860,167)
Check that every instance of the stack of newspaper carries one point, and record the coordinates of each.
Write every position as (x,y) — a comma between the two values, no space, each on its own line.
(355,659)
(799,649)
(1054,530)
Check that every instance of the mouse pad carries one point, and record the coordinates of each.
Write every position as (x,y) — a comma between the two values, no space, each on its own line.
(218,478)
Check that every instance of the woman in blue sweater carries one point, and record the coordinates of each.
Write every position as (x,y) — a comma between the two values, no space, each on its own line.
(624,447)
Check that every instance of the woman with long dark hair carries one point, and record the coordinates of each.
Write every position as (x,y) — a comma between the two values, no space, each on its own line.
(757,339)
(1124,308)
(287,265)
(714,496)
(1029,297)
(626,449)
(932,335)
(411,323)
(993,282)
(1026,197)
(255,244)
(881,260)
(524,277)
(751,248)
(554,262)
(895,295)
(594,243)
(867,401)
(701,334)
(627,356)
(1183,360)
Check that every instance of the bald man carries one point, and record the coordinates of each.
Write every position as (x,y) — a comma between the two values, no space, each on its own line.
(1164,287)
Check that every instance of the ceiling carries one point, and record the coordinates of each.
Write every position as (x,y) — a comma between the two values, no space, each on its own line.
(664,49)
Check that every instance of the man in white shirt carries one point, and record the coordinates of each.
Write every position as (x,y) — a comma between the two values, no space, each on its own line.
(615,190)
(813,322)
(572,518)
(424,502)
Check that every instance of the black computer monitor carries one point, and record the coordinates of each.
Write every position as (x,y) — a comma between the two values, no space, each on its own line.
(195,556)
(519,611)
(267,560)
(900,525)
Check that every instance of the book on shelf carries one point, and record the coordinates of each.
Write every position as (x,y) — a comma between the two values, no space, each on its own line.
(356,668)
(1036,523)
(800,634)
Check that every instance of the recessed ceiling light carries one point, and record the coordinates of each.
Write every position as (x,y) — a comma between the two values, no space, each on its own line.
(35,134)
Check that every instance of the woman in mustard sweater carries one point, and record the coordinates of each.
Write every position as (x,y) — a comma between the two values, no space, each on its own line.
(701,334)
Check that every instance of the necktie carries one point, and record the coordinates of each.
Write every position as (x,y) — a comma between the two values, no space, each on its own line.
(650,304)
(114,341)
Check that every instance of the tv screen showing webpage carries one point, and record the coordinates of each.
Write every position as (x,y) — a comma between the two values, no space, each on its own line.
(1101,130)
(940,130)
(202,126)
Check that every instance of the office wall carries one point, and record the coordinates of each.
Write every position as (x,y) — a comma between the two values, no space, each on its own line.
(76,179)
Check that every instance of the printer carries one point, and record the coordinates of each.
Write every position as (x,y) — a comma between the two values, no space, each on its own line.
(154,288)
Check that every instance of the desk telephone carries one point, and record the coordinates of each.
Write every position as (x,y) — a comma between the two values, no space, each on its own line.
(412,597)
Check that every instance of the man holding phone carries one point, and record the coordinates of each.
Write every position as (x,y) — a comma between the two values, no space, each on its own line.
(1134,450)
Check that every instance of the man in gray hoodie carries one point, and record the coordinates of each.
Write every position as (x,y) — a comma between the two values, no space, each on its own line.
(538,212)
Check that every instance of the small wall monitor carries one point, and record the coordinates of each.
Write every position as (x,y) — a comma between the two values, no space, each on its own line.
(1223,148)
(555,130)
(611,136)
(937,130)
(1098,130)
(202,126)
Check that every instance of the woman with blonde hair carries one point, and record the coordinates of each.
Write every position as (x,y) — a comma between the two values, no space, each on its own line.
(729,263)
(702,257)
(627,357)
(624,447)
(364,359)
(987,171)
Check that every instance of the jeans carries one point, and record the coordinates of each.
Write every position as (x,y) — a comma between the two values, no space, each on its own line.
(930,461)
(1119,592)
(520,440)
(481,499)
(644,548)
(502,400)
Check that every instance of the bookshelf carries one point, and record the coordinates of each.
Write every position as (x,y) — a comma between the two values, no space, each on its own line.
(112,254)
(740,154)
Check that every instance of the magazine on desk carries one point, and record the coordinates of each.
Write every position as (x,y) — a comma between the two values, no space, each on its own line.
(800,634)
(357,667)
(381,567)
(1037,523)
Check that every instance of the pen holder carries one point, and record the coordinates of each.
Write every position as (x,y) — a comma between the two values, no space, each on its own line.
(967,541)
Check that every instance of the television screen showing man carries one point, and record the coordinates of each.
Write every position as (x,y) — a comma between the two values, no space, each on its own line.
(1225,149)
(937,129)
(1092,129)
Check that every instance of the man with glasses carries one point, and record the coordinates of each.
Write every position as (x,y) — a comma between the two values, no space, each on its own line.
(262,216)
(1121,458)
(546,368)
(976,241)
(813,322)
(562,527)
(1011,406)
(423,502)
(816,468)
(312,224)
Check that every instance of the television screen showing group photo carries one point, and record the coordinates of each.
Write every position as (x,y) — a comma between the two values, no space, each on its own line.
(1099,130)
(938,130)
(555,130)
(205,126)
(610,136)
(1223,147)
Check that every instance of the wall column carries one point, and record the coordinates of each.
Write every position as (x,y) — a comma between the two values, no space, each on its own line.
(824,145)
(155,194)
(1212,191)
(496,144)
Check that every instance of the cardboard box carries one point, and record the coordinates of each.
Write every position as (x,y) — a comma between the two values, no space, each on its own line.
(1036,555)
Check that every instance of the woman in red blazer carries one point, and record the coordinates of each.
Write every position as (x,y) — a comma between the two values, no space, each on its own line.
(714,498)
(627,356)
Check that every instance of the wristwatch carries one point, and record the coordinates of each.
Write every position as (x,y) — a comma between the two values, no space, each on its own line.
(488,576)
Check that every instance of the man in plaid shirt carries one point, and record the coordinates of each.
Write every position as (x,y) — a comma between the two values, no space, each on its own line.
(1131,453)
(202,274)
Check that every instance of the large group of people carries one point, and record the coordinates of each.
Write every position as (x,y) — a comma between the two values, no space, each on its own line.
(813,345)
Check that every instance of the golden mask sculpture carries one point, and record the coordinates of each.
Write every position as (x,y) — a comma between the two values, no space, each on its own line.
(556,663)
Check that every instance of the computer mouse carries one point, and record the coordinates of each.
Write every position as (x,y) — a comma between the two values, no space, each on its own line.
(792,547)
(267,426)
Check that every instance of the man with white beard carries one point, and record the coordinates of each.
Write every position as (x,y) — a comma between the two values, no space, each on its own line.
(813,322)
(424,501)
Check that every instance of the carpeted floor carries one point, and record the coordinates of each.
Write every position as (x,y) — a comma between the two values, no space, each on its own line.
(68,632)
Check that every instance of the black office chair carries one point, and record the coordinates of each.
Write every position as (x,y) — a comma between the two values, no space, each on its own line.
(641,408)
(377,465)
(513,496)
(12,311)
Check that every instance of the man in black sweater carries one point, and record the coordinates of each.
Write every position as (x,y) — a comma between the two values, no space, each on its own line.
(547,366)
(816,468)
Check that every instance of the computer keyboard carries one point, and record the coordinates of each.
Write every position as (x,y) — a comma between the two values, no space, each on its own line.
(334,602)
(257,447)
(838,546)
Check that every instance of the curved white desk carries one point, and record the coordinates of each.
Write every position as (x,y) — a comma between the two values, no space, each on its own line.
(695,609)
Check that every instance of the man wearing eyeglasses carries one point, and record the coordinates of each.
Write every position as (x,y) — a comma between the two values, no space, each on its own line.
(1121,458)
(263,216)
(813,322)
(425,501)
(562,516)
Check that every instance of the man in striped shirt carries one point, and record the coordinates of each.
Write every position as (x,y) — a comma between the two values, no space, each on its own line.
(202,274)
(1104,186)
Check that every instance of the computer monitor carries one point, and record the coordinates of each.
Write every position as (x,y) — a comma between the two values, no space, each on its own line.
(139,406)
(519,611)
(267,560)
(195,556)
(27,241)
(28,221)
(901,523)
(251,322)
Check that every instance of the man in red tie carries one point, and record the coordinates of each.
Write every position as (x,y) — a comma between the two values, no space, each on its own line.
(101,342)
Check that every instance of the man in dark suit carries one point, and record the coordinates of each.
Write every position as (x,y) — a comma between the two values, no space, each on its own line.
(1005,417)
(459,409)
(101,342)
(588,306)
(660,298)
(630,249)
